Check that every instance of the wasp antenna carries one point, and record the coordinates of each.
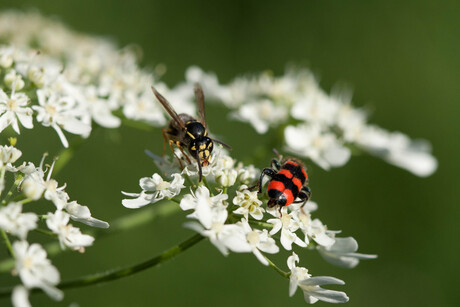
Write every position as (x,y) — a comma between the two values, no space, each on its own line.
(223,144)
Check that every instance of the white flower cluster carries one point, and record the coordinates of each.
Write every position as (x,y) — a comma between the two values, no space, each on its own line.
(321,126)
(33,183)
(65,80)
(68,88)
(246,226)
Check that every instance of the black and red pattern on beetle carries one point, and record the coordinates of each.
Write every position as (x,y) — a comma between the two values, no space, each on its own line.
(288,180)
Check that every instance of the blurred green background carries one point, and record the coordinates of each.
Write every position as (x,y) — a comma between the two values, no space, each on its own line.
(402,58)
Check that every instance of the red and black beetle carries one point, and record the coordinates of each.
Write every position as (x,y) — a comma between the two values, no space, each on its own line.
(288,180)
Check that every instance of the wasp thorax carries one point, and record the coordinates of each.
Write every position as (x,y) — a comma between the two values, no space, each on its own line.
(195,130)
(201,148)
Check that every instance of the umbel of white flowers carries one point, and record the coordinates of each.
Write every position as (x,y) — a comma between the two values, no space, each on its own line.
(66,88)
(237,221)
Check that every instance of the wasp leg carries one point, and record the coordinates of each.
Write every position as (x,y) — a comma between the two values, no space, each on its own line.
(164,132)
(171,142)
(183,152)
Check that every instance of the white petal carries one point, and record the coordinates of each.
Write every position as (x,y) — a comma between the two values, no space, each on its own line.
(344,245)
(91,221)
(61,135)
(194,226)
(329,296)
(292,260)
(309,299)
(75,126)
(276,225)
(53,292)
(337,155)
(323,239)
(20,297)
(235,239)
(419,163)
(322,280)
(188,202)
(292,284)
(26,120)
(4,121)
(287,238)
(135,203)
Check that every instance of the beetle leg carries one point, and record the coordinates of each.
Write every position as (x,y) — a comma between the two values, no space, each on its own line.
(304,195)
(276,164)
(265,172)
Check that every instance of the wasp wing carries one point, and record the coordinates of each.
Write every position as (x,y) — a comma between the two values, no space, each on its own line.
(199,96)
(168,107)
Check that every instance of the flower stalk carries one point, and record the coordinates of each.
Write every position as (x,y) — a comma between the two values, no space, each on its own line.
(128,271)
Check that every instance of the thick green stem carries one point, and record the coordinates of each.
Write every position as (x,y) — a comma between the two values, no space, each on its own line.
(120,273)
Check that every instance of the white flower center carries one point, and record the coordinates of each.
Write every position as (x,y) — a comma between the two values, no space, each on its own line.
(286,220)
(51,110)
(65,229)
(141,106)
(164,185)
(318,142)
(217,227)
(253,238)
(12,104)
(28,262)
(51,185)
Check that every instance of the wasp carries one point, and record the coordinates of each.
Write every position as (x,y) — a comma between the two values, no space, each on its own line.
(288,181)
(184,131)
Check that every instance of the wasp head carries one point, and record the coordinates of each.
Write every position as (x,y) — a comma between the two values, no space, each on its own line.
(201,149)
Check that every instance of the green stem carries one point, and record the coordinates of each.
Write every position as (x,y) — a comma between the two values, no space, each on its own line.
(2,177)
(261,224)
(277,269)
(14,186)
(124,223)
(7,242)
(120,273)
(45,232)
(189,180)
